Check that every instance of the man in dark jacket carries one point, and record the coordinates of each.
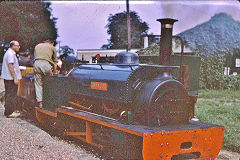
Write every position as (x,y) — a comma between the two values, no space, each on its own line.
(67,64)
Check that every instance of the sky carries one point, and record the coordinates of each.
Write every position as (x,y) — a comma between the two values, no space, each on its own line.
(81,24)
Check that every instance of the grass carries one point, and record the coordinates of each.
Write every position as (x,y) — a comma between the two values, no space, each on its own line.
(223,108)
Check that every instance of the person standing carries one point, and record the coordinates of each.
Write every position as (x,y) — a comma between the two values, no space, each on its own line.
(67,64)
(11,75)
(60,61)
(45,60)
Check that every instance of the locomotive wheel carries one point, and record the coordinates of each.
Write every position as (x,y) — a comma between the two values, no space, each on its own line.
(169,107)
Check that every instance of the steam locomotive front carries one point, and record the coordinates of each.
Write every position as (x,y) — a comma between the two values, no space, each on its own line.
(161,99)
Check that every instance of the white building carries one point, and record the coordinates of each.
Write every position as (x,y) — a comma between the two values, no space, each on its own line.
(87,54)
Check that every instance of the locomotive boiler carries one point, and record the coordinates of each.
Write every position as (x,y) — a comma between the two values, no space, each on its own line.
(137,111)
(148,92)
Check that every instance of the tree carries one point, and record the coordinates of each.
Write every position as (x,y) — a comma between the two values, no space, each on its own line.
(66,50)
(29,22)
(117,29)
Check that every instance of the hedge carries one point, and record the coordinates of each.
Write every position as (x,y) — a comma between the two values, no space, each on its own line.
(212,74)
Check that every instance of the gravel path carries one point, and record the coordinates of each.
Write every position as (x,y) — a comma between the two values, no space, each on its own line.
(226,155)
(22,140)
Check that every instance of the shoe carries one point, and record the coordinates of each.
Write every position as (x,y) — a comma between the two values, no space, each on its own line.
(14,115)
(40,105)
(17,111)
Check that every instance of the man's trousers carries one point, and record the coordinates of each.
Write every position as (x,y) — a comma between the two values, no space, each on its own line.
(42,68)
(11,98)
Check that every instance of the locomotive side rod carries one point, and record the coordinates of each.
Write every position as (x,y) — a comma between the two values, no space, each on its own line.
(79,106)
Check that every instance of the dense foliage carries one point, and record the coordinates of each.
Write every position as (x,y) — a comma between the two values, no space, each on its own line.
(66,50)
(117,29)
(153,49)
(219,35)
(212,74)
(28,22)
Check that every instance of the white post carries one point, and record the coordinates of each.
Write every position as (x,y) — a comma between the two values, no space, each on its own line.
(145,41)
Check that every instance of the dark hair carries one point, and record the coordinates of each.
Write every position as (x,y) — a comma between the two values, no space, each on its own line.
(26,54)
(51,41)
(63,56)
(21,53)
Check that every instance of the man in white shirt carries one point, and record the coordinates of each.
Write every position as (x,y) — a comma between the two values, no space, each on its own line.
(11,75)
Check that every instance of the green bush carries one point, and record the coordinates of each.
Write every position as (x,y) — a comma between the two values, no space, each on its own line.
(212,74)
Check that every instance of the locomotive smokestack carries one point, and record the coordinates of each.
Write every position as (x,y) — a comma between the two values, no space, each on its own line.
(166,40)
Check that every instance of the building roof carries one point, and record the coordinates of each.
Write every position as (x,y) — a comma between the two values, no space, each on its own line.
(104,50)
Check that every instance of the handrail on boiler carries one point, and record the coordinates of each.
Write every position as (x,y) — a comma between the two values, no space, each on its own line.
(133,65)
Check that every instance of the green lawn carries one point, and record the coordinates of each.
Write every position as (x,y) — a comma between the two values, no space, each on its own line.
(223,108)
